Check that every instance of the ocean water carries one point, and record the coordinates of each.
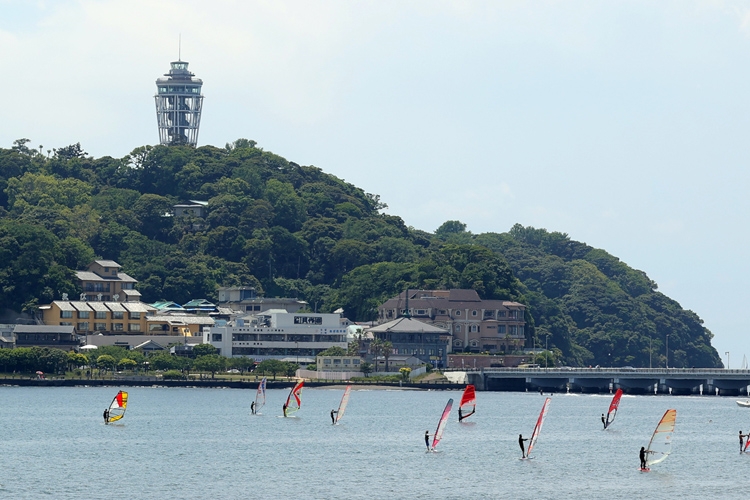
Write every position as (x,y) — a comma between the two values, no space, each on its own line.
(203,443)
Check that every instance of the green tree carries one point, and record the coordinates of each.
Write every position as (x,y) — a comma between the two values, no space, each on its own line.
(405,372)
(106,362)
(333,351)
(272,366)
(126,364)
(204,350)
(210,363)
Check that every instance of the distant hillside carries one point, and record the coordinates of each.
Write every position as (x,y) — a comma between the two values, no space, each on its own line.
(294,230)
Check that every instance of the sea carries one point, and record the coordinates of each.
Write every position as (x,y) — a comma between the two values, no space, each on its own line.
(197,443)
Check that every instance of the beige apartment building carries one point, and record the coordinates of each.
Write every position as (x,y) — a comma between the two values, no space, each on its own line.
(103,281)
(474,325)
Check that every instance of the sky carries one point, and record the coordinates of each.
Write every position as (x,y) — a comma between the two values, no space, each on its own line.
(622,124)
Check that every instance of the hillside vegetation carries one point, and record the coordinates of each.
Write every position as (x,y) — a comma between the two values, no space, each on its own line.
(292,230)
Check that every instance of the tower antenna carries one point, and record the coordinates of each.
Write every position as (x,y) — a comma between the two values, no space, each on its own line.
(179,47)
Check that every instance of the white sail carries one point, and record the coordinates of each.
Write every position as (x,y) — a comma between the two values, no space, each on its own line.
(660,445)
(260,395)
(538,426)
(344,402)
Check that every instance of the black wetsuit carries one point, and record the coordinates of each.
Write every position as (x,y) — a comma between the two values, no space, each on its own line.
(252,407)
(106,416)
(643,458)
(520,443)
(460,415)
(427,439)
(604,421)
(333,419)
(741,447)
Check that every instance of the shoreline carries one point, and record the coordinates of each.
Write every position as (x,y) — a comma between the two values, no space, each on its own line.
(215,383)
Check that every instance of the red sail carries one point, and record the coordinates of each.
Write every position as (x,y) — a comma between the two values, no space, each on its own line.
(613,408)
(469,397)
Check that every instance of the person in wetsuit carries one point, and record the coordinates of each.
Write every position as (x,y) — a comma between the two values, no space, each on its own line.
(520,443)
(604,421)
(427,439)
(642,455)
(333,418)
(106,416)
(284,408)
(742,436)
(252,408)
(460,415)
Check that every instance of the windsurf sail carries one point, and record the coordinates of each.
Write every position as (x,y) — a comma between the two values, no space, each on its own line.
(468,402)
(538,426)
(441,424)
(294,401)
(344,402)
(613,408)
(260,395)
(747,445)
(660,445)
(117,407)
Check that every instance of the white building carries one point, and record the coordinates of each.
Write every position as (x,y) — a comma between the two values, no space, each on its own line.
(278,334)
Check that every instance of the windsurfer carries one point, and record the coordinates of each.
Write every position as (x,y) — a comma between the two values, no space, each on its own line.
(520,443)
(460,415)
(106,416)
(427,439)
(252,408)
(643,457)
(333,418)
(604,421)
(284,408)
(742,437)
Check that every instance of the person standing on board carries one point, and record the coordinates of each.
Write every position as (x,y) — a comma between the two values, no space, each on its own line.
(460,414)
(252,408)
(333,419)
(742,436)
(427,439)
(284,408)
(520,443)
(604,421)
(106,416)
(643,457)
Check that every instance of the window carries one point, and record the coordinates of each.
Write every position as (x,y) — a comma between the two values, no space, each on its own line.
(134,327)
(474,343)
(458,313)
(458,328)
(355,361)
(441,311)
(473,313)
(117,315)
(216,337)
(134,315)
(83,327)
(83,315)
(100,327)
(501,314)
(66,314)
(457,343)
(327,361)
(474,328)
(421,312)
(116,327)
(100,315)
(501,329)
(66,323)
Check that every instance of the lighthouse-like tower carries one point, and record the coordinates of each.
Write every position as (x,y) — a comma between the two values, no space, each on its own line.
(178,106)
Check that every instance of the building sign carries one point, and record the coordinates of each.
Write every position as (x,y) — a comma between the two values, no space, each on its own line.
(308,320)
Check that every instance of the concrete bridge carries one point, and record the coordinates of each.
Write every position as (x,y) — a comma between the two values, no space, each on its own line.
(707,381)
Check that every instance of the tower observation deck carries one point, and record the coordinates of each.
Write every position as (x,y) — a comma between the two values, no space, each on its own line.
(178,106)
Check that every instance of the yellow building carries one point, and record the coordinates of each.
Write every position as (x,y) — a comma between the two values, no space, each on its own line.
(104,317)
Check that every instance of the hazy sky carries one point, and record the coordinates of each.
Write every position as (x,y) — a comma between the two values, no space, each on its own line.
(623,124)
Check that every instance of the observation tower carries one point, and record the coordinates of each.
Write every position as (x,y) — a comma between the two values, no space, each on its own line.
(178,106)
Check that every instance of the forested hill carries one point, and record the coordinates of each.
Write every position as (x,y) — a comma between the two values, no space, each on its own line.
(292,230)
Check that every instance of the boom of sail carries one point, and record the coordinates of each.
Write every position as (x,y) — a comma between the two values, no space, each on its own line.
(468,402)
(660,445)
(117,407)
(538,426)
(344,402)
(613,408)
(441,424)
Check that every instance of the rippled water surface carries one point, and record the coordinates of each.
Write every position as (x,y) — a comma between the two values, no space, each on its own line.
(203,443)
